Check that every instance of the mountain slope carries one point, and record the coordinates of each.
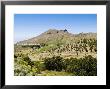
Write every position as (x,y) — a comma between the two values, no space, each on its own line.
(56,35)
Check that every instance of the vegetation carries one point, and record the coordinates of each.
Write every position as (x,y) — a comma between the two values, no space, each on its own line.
(57,53)
(86,66)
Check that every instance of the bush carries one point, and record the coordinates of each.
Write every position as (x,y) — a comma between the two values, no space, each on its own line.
(39,65)
(54,63)
(21,68)
(25,67)
(26,58)
(86,66)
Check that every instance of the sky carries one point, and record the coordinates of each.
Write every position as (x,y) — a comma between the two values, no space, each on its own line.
(30,25)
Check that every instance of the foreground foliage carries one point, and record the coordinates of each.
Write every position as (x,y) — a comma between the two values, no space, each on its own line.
(56,65)
(86,66)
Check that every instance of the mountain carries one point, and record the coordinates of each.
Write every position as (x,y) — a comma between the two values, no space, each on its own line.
(59,43)
(53,36)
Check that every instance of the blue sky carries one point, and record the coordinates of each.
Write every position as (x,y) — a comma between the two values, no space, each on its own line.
(31,25)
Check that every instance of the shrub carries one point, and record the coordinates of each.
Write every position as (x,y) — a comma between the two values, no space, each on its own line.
(24,66)
(54,63)
(86,66)
(26,58)
(22,69)
(39,65)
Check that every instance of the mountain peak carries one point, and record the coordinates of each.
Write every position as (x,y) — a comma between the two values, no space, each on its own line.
(54,31)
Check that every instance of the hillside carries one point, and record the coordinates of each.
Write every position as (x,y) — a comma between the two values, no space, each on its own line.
(57,53)
(56,35)
(59,42)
